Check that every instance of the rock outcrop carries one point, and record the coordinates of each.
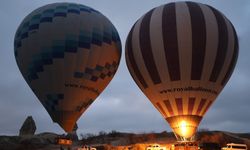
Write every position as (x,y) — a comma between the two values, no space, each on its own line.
(28,127)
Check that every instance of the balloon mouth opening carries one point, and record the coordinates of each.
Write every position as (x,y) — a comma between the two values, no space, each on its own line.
(67,127)
(66,120)
(184,126)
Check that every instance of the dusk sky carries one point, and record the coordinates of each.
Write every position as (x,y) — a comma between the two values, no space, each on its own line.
(121,106)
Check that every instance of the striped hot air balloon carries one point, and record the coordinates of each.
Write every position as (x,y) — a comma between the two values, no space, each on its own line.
(67,53)
(181,55)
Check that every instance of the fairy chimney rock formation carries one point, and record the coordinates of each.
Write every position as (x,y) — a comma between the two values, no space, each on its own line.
(28,127)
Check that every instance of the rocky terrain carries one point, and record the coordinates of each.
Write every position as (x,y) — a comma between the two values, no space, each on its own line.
(45,141)
(28,140)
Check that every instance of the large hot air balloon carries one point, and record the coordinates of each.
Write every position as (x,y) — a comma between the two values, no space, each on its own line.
(67,53)
(181,55)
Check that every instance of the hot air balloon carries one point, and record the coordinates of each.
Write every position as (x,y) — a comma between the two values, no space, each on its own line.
(67,53)
(181,55)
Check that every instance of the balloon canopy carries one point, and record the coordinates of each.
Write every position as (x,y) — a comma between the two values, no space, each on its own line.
(181,55)
(67,53)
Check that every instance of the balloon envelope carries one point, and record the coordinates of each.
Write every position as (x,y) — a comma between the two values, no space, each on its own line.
(67,53)
(181,55)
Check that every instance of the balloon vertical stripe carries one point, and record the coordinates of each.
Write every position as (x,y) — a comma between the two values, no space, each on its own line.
(233,60)
(222,45)
(191,102)
(146,49)
(211,42)
(170,40)
(179,105)
(162,110)
(201,105)
(157,44)
(131,59)
(184,34)
(169,107)
(198,40)
(206,108)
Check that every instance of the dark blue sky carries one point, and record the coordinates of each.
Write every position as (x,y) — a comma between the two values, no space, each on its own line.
(122,106)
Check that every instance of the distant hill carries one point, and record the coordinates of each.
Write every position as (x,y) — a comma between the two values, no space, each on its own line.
(243,135)
(29,142)
(223,138)
(46,140)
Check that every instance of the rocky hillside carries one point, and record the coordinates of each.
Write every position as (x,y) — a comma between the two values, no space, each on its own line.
(223,138)
(27,142)
(117,138)
(45,141)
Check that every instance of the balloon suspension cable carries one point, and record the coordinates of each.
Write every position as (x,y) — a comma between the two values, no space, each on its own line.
(181,139)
